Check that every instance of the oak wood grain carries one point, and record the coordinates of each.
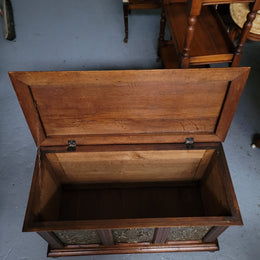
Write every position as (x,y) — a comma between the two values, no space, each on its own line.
(129,166)
(203,164)
(27,103)
(233,95)
(139,106)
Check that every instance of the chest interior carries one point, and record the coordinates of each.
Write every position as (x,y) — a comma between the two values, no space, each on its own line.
(131,182)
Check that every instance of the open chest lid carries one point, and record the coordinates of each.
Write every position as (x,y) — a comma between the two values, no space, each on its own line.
(129,106)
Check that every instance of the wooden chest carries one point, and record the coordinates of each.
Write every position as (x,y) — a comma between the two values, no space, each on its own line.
(130,161)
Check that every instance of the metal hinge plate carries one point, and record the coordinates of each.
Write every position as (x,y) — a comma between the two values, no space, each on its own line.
(189,142)
(71,145)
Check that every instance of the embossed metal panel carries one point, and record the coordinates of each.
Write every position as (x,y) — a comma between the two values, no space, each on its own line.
(78,237)
(187,233)
(133,235)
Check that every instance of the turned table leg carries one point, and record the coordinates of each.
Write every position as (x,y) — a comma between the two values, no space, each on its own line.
(126,12)
(162,31)
(256,141)
(244,33)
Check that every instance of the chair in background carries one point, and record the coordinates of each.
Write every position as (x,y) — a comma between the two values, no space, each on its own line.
(238,13)
(199,36)
(129,5)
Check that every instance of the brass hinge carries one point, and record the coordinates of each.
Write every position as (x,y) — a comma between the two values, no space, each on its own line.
(71,146)
(189,142)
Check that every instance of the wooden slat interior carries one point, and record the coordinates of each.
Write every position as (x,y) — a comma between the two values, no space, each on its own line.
(126,184)
(47,193)
(213,191)
(130,166)
(131,201)
(130,107)
(182,184)
(215,40)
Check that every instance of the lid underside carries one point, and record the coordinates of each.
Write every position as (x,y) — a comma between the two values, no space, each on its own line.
(130,106)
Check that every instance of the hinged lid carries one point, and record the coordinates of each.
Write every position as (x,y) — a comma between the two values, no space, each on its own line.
(130,106)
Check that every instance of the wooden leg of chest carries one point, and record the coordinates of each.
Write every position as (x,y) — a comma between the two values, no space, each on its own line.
(256,141)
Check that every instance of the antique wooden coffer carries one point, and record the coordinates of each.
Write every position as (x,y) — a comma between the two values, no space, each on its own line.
(130,161)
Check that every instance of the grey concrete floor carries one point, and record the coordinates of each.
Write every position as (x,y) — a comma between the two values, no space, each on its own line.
(87,34)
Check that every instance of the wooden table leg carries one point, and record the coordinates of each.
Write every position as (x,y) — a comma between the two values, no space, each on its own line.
(256,141)
(126,11)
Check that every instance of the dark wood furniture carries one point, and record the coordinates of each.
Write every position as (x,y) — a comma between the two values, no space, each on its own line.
(130,161)
(129,5)
(199,35)
(256,141)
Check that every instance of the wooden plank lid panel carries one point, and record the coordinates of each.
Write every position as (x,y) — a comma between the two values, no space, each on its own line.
(129,106)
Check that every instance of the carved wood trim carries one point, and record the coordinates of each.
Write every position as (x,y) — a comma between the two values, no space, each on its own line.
(160,235)
(52,239)
(213,234)
(106,237)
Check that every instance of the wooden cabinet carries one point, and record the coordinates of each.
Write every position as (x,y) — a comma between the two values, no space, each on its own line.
(130,161)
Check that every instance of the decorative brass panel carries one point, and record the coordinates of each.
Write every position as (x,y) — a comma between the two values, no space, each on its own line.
(187,233)
(78,237)
(133,235)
